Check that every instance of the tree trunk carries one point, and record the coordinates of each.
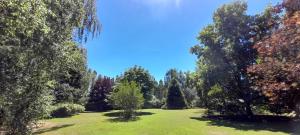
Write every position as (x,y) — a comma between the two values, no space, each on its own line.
(248,109)
(297,109)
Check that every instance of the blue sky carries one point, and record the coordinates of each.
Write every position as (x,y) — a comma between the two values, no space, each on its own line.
(154,34)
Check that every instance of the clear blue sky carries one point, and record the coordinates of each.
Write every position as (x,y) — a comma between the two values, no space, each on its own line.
(155,34)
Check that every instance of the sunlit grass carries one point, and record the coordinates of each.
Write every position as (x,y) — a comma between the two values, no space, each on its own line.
(158,122)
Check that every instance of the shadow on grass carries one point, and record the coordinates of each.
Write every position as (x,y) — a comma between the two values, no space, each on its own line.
(41,131)
(256,123)
(116,116)
(118,119)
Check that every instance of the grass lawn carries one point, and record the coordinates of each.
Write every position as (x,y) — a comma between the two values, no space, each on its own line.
(160,122)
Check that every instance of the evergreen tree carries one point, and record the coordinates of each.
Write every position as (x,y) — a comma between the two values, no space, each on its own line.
(175,97)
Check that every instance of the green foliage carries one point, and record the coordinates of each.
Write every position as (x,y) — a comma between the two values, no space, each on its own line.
(156,103)
(33,38)
(225,52)
(127,96)
(215,90)
(187,84)
(73,78)
(66,110)
(143,79)
(175,97)
(160,91)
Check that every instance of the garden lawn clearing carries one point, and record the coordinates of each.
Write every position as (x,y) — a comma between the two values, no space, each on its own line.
(161,122)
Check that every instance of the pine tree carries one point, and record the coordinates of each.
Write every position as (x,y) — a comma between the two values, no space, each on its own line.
(175,97)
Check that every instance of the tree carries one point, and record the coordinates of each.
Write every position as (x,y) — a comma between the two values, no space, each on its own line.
(276,73)
(99,94)
(127,96)
(33,35)
(73,77)
(175,97)
(175,74)
(226,52)
(143,79)
(190,91)
(186,83)
(160,91)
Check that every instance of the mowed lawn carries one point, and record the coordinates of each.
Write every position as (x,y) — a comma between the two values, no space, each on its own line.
(160,122)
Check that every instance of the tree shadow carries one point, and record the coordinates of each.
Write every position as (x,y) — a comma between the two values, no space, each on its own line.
(256,123)
(119,119)
(44,130)
(116,116)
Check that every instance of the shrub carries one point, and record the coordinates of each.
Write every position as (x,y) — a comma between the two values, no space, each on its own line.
(66,110)
(127,96)
(156,103)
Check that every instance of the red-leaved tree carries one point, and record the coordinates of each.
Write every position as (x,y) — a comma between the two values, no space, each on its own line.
(277,72)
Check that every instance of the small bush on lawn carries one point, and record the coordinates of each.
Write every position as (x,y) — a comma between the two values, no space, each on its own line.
(127,96)
(66,110)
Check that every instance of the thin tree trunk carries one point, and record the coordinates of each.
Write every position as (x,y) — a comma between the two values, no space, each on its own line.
(248,109)
(297,109)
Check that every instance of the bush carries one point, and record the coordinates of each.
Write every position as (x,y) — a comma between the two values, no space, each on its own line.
(127,96)
(66,110)
(156,103)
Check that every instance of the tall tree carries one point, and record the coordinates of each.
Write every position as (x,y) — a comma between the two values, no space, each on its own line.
(175,98)
(277,72)
(73,78)
(226,51)
(143,78)
(186,83)
(160,91)
(33,34)
(99,94)
(175,74)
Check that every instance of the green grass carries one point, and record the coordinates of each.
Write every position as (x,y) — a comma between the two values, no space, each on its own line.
(160,122)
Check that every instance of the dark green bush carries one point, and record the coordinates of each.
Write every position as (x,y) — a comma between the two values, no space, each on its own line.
(66,110)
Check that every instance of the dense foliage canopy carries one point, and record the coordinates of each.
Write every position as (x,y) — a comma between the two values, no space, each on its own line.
(225,52)
(35,36)
(276,74)
(144,80)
